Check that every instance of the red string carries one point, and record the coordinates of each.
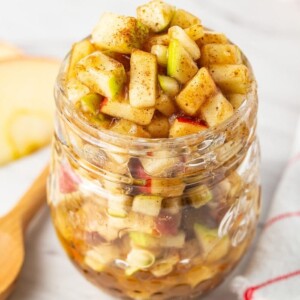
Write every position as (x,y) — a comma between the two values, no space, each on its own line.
(281,217)
(248,295)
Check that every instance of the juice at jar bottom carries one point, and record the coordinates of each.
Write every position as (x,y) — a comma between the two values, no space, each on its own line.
(154,187)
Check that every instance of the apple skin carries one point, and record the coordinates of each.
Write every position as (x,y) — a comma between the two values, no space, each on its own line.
(167,224)
(68,180)
(192,121)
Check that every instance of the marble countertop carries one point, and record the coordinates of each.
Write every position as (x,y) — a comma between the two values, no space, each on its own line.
(267,30)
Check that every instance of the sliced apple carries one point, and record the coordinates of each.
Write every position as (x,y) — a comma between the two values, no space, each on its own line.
(143,79)
(119,33)
(129,128)
(216,110)
(220,54)
(169,85)
(159,126)
(8,51)
(161,53)
(195,93)
(26,108)
(212,37)
(232,79)
(184,19)
(165,105)
(189,44)
(101,74)
(185,126)
(180,64)
(78,52)
(156,14)
(123,110)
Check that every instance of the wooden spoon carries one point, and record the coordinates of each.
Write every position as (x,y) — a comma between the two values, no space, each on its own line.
(12,229)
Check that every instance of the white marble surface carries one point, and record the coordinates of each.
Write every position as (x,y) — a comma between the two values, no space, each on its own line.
(267,30)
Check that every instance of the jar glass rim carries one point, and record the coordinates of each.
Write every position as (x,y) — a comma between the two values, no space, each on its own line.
(250,97)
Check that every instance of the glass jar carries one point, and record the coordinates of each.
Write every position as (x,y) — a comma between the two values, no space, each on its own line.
(155,218)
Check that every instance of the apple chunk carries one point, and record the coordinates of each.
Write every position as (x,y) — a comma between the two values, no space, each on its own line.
(119,33)
(220,54)
(232,79)
(180,64)
(123,110)
(78,52)
(156,14)
(216,110)
(129,128)
(184,19)
(101,74)
(165,105)
(185,126)
(212,37)
(143,79)
(26,108)
(197,90)
(188,43)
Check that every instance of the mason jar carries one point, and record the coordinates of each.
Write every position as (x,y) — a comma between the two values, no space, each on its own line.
(154,218)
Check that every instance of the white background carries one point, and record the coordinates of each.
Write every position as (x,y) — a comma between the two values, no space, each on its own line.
(267,30)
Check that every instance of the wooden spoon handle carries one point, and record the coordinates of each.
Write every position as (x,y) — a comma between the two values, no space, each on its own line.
(32,200)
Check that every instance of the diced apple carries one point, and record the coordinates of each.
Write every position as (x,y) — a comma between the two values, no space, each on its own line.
(119,33)
(220,54)
(214,247)
(159,126)
(196,92)
(144,240)
(169,85)
(216,110)
(189,44)
(101,74)
(129,128)
(119,205)
(158,164)
(149,205)
(167,223)
(232,79)
(195,32)
(199,196)
(156,14)
(90,103)
(236,100)
(76,90)
(212,37)
(166,187)
(173,241)
(180,64)
(123,110)
(99,120)
(143,79)
(173,206)
(165,105)
(161,53)
(160,39)
(185,126)
(101,256)
(184,19)
(78,52)
(138,259)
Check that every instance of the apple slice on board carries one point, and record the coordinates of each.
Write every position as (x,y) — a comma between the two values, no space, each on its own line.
(8,51)
(26,105)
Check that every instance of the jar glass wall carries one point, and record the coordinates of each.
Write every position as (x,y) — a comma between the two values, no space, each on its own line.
(155,218)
